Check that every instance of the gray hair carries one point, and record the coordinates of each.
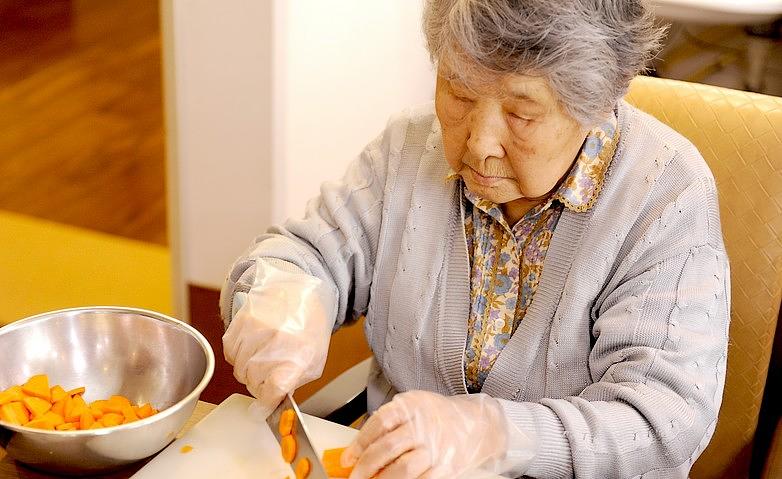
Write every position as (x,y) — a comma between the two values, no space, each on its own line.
(589,50)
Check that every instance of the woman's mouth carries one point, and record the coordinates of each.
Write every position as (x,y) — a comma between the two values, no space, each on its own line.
(484,180)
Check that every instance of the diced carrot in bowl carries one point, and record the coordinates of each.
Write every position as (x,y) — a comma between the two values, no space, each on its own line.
(35,404)
(12,394)
(58,393)
(38,386)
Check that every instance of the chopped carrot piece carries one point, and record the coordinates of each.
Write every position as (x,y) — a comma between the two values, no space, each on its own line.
(96,425)
(333,465)
(288,446)
(38,386)
(86,420)
(117,404)
(76,392)
(111,419)
(186,448)
(287,419)
(12,394)
(96,412)
(41,423)
(53,418)
(129,414)
(14,413)
(67,426)
(74,407)
(302,468)
(49,421)
(59,407)
(145,411)
(37,406)
(57,393)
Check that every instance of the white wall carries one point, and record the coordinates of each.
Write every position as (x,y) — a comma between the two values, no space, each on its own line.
(218,121)
(264,101)
(341,69)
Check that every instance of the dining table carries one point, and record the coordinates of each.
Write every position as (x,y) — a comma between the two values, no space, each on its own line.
(10,469)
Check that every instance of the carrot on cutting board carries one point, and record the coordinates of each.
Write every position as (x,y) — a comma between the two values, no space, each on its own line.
(302,468)
(331,461)
(287,420)
(288,446)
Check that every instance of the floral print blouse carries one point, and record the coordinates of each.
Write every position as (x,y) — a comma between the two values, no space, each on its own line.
(506,261)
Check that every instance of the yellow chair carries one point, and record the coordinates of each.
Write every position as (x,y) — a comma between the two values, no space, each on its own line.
(740,136)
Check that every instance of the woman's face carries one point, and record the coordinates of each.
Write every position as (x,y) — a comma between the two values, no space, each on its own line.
(509,138)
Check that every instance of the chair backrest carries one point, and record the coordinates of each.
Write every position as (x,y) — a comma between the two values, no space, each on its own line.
(740,136)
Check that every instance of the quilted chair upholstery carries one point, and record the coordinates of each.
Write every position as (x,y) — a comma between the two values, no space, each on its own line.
(740,136)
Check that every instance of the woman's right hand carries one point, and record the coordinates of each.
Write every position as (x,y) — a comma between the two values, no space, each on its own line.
(278,339)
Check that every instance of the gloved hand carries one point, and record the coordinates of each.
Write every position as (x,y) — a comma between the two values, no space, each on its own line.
(420,434)
(278,339)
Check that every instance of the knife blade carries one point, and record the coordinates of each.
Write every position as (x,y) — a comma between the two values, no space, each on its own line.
(304,446)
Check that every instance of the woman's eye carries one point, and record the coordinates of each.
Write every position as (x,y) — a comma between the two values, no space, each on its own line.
(461,98)
(516,117)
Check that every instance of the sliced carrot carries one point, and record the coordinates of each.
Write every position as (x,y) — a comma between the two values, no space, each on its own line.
(333,465)
(86,420)
(41,423)
(53,418)
(74,407)
(97,413)
(111,419)
(14,413)
(145,411)
(77,391)
(129,414)
(59,407)
(37,406)
(12,394)
(287,419)
(117,404)
(302,468)
(38,386)
(46,407)
(57,393)
(288,446)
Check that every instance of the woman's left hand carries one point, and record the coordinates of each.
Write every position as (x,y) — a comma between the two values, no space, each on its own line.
(426,435)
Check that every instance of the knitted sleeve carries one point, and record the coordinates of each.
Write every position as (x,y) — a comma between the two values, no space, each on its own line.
(336,240)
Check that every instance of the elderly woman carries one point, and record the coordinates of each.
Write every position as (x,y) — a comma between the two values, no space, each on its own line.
(540,265)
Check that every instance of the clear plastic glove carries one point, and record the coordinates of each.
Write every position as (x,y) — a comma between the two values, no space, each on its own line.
(420,434)
(279,337)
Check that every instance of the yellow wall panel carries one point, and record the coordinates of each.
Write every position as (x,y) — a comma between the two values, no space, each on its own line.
(46,266)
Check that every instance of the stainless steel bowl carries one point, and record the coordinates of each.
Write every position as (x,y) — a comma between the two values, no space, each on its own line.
(146,356)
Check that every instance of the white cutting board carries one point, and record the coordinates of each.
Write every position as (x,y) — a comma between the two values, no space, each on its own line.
(229,443)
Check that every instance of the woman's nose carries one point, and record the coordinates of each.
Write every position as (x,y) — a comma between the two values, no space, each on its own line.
(485,140)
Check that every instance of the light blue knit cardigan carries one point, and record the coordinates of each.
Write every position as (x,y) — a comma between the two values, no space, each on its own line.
(619,365)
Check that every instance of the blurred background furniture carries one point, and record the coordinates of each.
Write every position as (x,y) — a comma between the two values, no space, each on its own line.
(740,136)
(754,47)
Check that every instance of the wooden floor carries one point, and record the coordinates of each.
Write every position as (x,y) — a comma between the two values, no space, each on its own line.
(81,126)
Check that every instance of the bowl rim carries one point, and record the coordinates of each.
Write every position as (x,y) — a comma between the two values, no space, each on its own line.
(194,394)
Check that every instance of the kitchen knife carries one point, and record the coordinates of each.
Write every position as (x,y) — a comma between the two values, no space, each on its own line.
(304,446)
